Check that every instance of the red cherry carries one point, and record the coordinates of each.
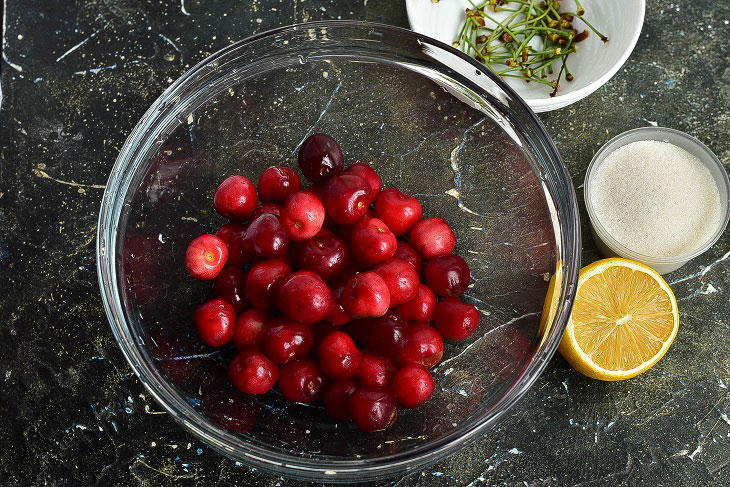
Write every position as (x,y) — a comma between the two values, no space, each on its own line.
(239,249)
(229,285)
(206,256)
(302,215)
(276,183)
(272,208)
(229,231)
(336,399)
(406,252)
(252,372)
(398,211)
(401,278)
(365,294)
(432,238)
(387,335)
(215,321)
(303,296)
(324,254)
(372,242)
(368,173)
(373,409)
(448,275)
(413,385)
(235,198)
(250,329)
(455,320)
(419,308)
(346,198)
(375,371)
(263,281)
(287,340)
(338,356)
(337,314)
(423,346)
(320,157)
(267,237)
(301,381)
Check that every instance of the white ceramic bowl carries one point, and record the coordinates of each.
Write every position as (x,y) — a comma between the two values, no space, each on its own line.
(593,65)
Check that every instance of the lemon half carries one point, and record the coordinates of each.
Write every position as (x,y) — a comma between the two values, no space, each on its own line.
(623,321)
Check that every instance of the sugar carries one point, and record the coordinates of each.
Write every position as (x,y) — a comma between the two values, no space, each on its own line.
(656,199)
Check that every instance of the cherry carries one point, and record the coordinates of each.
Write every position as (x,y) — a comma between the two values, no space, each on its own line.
(375,371)
(276,183)
(346,198)
(337,314)
(302,215)
(406,252)
(373,409)
(239,248)
(235,198)
(398,211)
(372,242)
(401,278)
(413,385)
(325,254)
(359,330)
(215,321)
(267,237)
(320,157)
(229,231)
(365,294)
(336,399)
(206,256)
(301,381)
(419,308)
(455,320)
(387,335)
(250,329)
(287,340)
(229,285)
(432,237)
(303,296)
(252,372)
(262,283)
(448,275)
(338,356)
(423,346)
(272,208)
(368,173)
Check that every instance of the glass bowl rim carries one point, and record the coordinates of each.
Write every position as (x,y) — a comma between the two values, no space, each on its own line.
(314,468)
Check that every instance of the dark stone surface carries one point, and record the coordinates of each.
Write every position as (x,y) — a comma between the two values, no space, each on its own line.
(76,77)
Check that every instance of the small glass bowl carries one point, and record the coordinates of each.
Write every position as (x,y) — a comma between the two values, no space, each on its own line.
(608,245)
(434,125)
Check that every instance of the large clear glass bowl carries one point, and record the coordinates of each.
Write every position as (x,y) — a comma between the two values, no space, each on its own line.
(434,125)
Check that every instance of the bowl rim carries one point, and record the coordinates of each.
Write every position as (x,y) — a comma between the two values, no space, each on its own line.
(314,468)
(561,100)
(653,134)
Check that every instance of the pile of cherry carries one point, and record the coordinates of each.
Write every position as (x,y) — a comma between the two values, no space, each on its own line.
(321,293)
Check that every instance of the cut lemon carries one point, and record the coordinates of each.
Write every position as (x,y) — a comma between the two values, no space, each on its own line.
(623,321)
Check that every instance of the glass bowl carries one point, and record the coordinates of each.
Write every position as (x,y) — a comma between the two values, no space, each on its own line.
(607,244)
(433,125)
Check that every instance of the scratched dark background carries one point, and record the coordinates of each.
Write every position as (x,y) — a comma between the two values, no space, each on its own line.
(76,77)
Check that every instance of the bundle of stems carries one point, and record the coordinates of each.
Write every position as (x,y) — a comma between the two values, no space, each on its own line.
(506,46)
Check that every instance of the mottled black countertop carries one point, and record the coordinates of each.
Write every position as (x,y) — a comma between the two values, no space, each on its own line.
(76,77)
